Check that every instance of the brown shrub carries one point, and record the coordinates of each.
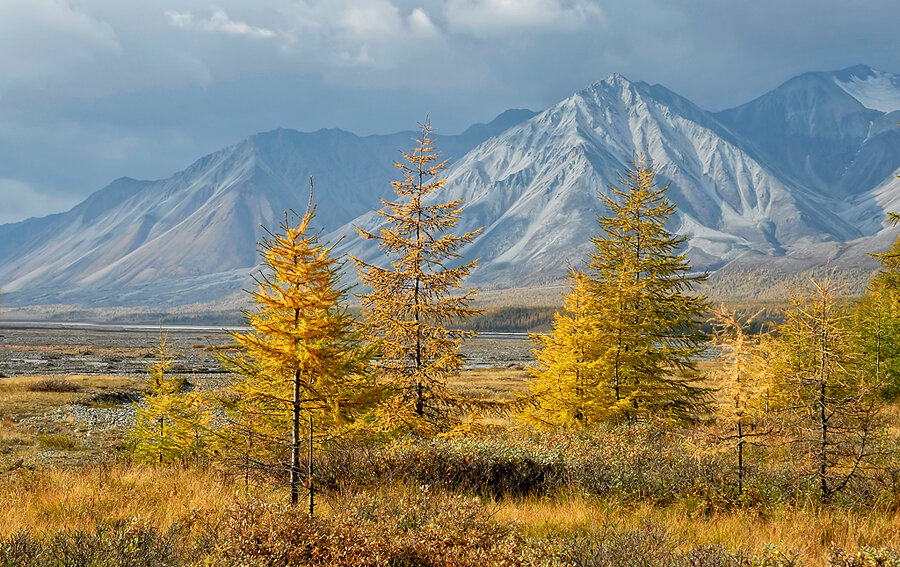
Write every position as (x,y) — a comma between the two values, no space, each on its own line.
(53,385)
(371,531)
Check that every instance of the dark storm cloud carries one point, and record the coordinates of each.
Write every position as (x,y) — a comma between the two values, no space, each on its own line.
(95,89)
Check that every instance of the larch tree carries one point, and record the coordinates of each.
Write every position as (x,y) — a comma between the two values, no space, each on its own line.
(413,303)
(568,386)
(303,360)
(627,346)
(835,398)
(170,424)
(876,316)
(744,380)
(647,315)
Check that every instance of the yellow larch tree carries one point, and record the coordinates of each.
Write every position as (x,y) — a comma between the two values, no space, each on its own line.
(303,359)
(744,379)
(413,303)
(568,386)
(829,386)
(170,423)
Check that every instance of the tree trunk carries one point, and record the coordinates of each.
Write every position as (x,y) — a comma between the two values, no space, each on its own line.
(740,433)
(310,463)
(823,447)
(295,441)
(823,416)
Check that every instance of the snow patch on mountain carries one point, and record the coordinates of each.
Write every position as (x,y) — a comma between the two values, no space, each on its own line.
(876,90)
(801,174)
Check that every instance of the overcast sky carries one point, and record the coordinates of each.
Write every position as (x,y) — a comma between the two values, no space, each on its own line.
(92,90)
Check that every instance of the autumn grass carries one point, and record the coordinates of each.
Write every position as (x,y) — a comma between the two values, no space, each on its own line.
(24,396)
(58,441)
(497,384)
(11,434)
(31,433)
(49,500)
(54,498)
(809,531)
(85,496)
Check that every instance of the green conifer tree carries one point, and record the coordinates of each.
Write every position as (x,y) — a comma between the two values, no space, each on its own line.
(647,314)
(876,317)
(631,337)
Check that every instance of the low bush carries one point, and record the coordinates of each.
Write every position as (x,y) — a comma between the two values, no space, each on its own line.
(58,441)
(632,463)
(60,385)
(387,527)
(866,557)
(371,531)
(132,544)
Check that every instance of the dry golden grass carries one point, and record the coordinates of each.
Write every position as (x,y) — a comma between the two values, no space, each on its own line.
(80,498)
(83,350)
(809,532)
(17,400)
(54,498)
(12,434)
(495,384)
(27,433)
(499,384)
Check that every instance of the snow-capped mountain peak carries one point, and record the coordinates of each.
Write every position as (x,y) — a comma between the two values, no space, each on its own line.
(873,89)
(805,168)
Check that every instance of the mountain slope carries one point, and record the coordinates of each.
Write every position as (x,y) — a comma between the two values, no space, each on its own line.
(205,219)
(535,187)
(797,176)
(829,131)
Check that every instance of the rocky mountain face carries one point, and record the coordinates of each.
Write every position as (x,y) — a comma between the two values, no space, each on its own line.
(192,237)
(804,171)
(835,133)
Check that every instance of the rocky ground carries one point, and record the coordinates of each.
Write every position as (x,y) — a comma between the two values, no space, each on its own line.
(39,349)
(29,349)
(106,367)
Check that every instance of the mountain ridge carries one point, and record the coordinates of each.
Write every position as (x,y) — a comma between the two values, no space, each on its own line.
(531,179)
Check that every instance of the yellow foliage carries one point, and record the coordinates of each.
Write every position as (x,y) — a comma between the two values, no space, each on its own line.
(412,303)
(626,347)
(569,383)
(303,354)
(170,424)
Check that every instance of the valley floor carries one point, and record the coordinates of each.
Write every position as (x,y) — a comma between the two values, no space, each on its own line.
(643,495)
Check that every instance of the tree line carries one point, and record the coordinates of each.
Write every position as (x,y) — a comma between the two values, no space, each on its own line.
(625,348)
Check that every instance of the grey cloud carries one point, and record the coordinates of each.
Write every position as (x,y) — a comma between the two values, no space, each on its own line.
(21,201)
(102,88)
(497,17)
(49,42)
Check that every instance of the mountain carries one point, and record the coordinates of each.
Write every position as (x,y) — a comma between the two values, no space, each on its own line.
(834,132)
(168,239)
(535,186)
(795,177)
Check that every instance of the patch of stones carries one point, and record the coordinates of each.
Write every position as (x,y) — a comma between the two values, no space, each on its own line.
(90,418)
